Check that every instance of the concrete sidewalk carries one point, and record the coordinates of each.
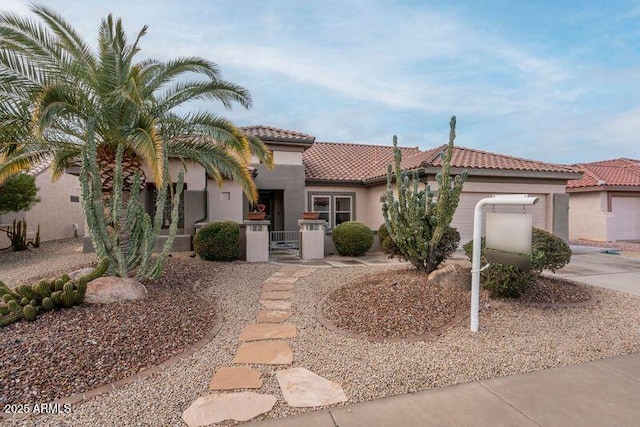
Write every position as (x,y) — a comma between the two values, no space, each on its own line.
(600,393)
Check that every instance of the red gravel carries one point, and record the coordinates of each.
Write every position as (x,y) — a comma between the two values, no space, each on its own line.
(78,349)
(402,304)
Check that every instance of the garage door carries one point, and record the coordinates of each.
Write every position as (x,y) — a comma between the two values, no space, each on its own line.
(626,217)
(463,218)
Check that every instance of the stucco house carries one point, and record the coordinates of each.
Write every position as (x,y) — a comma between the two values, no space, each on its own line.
(344,182)
(59,211)
(604,204)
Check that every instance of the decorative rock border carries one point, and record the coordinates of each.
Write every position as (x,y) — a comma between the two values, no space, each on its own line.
(90,394)
(414,338)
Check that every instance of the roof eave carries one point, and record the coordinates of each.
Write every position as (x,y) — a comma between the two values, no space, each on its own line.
(506,173)
(592,188)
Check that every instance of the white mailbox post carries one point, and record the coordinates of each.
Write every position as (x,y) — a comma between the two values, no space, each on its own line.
(500,199)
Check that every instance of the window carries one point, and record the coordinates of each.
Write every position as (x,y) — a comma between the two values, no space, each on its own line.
(322,204)
(335,208)
(343,210)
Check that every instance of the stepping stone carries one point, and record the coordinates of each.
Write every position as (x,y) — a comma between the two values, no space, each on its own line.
(267,331)
(276,304)
(302,273)
(271,295)
(290,273)
(272,316)
(264,353)
(215,408)
(273,279)
(304,389)
(277,286)
(229,378)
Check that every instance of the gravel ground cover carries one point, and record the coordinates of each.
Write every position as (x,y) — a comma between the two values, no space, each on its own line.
(513,338)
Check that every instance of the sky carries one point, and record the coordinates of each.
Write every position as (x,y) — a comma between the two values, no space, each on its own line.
(556,81)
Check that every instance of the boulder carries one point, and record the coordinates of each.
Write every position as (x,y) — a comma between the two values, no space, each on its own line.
(79,273)
(104,290)
(456,275)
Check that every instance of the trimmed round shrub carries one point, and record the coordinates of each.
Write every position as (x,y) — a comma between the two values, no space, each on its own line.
(218,241)
(548,252)
(352,238)
(387,244)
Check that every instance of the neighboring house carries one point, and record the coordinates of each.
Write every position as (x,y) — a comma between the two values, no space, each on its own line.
(59,211)
(605,202)
(346,181)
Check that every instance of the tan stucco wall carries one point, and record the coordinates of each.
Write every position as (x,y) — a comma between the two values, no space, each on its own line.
(588,216)
(194,177)
(369,207)
(55,212)
(225,203)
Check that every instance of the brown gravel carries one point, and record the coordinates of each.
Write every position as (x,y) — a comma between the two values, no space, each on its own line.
(403,304)
(78,349)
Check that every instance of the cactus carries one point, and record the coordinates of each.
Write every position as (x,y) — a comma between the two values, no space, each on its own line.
(7,297)
(4,310)
(58,284)
(24,301)
(56,297)
(26,291)
(65,278)
(36,242)
(82,289)
(43,289)
(99,271)
(34,303)
(419,225)
(47,304)
(29,312)
(67,295)
(14,306)
(12,318)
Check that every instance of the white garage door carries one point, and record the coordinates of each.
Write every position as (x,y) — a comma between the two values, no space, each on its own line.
(626,217)
(463,218)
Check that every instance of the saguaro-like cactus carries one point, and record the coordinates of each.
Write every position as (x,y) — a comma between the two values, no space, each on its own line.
(418,224)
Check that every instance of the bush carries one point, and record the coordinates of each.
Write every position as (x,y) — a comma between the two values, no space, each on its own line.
(218,241)
(548,252)
(386,243)
(352,238)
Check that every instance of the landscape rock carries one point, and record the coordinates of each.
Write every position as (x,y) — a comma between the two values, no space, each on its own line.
(454,275)
(264,353)
(104,290)
(229,378)
(76,274)
(267,331)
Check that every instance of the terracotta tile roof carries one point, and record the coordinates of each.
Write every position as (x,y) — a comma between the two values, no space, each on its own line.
(330,161)
(469,158)
(616,172)
(270,133)
(326,161)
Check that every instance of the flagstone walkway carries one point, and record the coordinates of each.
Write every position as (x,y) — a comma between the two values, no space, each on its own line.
(264,343)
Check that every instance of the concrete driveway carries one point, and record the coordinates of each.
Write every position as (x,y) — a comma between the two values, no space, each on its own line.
(590,266)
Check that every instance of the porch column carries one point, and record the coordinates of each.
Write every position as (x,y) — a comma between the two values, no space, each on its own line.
(257,240)
(311,238)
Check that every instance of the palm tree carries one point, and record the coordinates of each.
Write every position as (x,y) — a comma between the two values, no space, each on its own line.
(52,85)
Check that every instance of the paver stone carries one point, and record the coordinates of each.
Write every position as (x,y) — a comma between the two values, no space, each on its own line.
(304,389)
(272,316)
(267,331)
(215,408)
(229,378)
(264,353)
(275,295)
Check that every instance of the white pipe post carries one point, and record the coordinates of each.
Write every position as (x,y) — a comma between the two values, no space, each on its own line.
(501,199)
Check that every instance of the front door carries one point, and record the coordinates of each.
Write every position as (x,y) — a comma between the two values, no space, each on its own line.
(273,200)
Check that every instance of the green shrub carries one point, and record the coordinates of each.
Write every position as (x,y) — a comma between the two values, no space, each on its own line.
(548,252)
(352,238)
(218,241)
(386,243)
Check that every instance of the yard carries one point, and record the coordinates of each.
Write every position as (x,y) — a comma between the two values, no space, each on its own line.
(513,338)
